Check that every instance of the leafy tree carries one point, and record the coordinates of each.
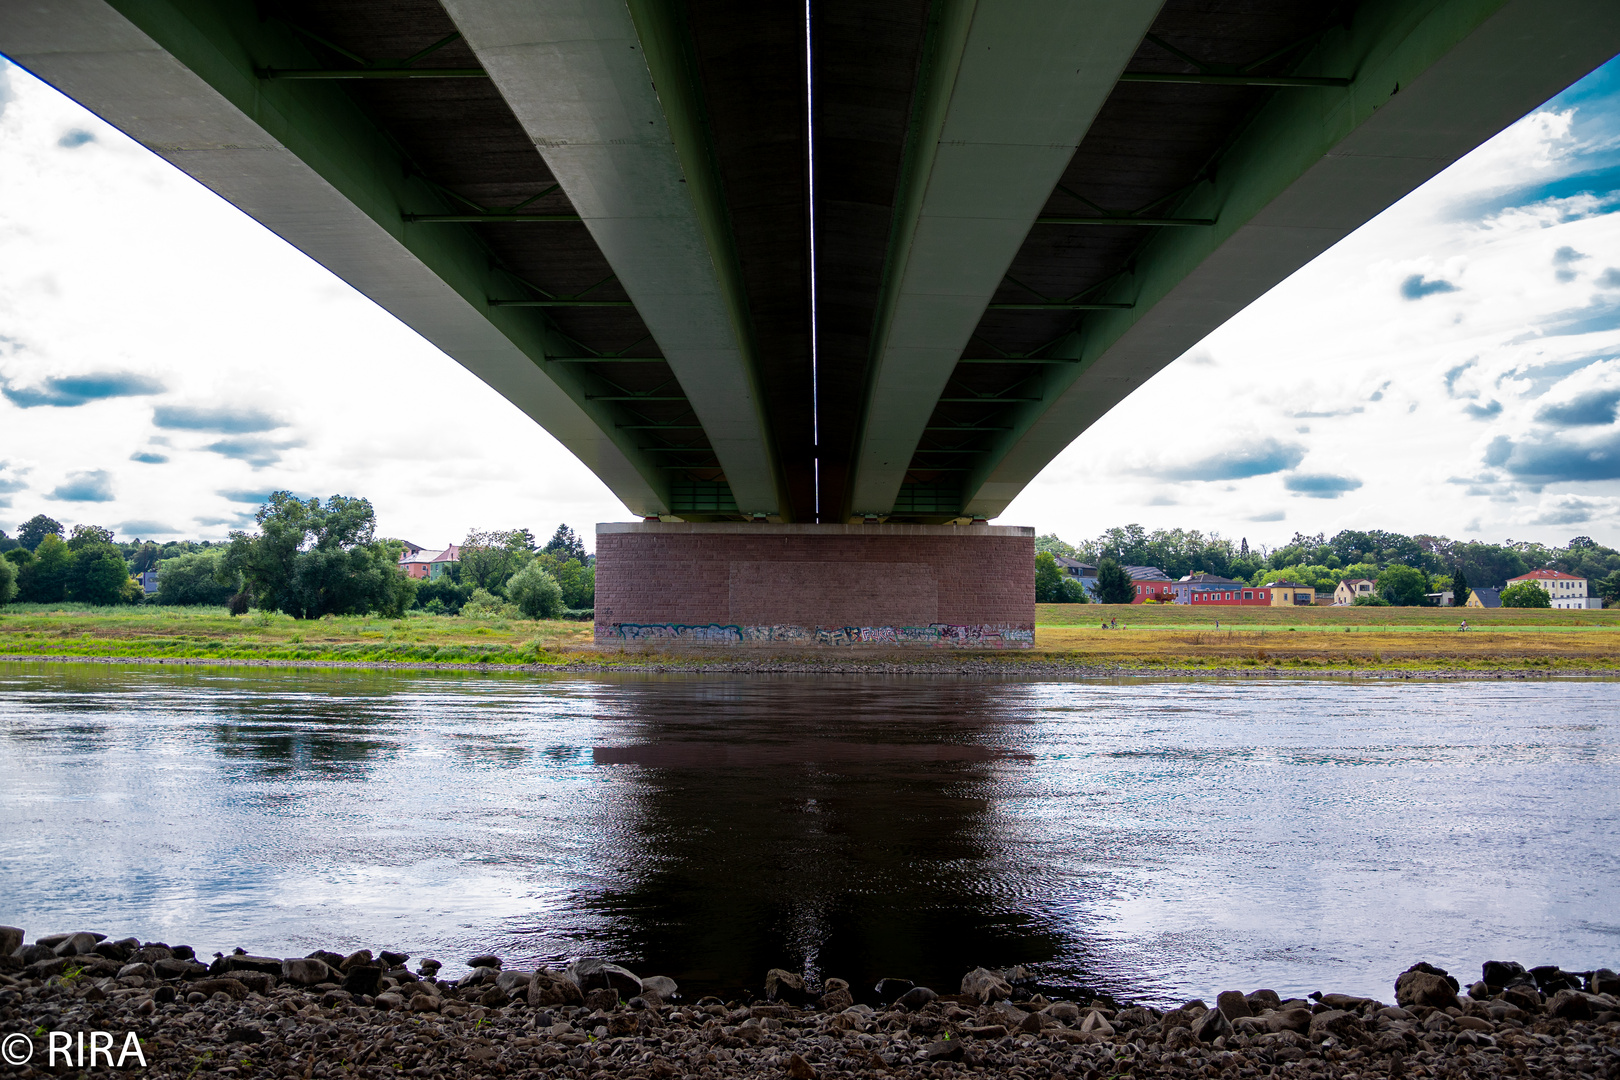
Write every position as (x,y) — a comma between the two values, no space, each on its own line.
(1048,579)
(36,529)
(145,558)
(488,559)
(310,560)
(85,536)
(1404,586)
(1369,600)
(44,577)
(1114,584)
(1609,589)
(8,581)
(577,579)
(7,543)
(194,579)
(1526,594)
(564,543)
(97,574)
(523,538)
(1459,587)
(536,593)
(18,557)
(1051,543)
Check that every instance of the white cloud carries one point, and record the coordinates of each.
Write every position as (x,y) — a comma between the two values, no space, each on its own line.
(261,370)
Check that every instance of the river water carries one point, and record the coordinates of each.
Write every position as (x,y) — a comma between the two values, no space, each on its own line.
(1154,839)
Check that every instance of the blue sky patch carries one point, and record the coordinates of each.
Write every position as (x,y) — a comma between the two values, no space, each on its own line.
(1417,287)
(1320,485)
(220,420)
(1269,456)
(90,486)
(70,391)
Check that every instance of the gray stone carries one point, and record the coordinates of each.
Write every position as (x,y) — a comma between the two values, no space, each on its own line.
(986,985)
(77,944)
(663,986)
(1097,1024)
(306,972)
(1212,1025)
(11,939)
(1570,1005)
(135,971)
(1063,1011)
(392,959)
(915,998)
(51,941)
(362,956)
(1424,988)
(551,989)
(1335,1023)
(485,961)
(515,983)
(1233,1004)
(362,979)
(784,985)
(1289,1020)
(890,989)
(243,962)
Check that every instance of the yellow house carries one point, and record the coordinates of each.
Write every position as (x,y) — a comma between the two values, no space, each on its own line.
(1351,588)
(1289,594)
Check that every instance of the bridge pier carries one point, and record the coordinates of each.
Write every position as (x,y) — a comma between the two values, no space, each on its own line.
(727,583)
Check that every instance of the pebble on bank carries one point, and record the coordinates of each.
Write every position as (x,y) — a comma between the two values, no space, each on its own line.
(371,1015)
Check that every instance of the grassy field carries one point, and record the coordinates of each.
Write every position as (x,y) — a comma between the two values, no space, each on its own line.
(213,633)
(1152,637)
(1170,635)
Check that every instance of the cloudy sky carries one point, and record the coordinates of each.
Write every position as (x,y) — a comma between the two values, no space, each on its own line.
(1452,367)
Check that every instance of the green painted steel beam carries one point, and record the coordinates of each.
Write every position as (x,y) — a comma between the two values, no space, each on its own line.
(560,303)
(1145,221)
(1059,305)
(1018,360)
(492,219)
(371,73)
(1434,79)
(303,159)
(1005,93)
(607,93)
(1299,82)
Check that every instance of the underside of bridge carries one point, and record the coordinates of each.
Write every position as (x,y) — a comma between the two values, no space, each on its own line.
(812,264)
(824,263)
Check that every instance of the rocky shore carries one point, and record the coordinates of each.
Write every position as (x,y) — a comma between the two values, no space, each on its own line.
(930,663)
(367,1015)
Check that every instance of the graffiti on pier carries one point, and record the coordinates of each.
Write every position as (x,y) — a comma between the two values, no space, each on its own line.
(939,635)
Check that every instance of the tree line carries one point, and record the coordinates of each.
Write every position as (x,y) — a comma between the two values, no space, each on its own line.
(308,558)
(1404,568)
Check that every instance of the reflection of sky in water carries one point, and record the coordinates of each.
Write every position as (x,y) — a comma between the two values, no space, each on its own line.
(1152,838)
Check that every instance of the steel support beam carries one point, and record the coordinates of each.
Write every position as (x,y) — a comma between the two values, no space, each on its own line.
(180,76)
(1006,92)
(605,92)
(1433,80)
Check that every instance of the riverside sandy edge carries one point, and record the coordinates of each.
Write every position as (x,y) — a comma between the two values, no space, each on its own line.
(924,665)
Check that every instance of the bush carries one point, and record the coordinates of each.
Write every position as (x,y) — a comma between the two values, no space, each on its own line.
(535,592)
(8,581)
(1369,601)
(239,603)
(484,604)
(1526,594)
(190,580)
(448,594)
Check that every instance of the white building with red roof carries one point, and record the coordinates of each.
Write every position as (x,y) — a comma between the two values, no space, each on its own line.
(1564,590)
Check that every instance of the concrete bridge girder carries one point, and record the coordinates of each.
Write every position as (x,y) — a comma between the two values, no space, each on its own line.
(605,92)
(302,161)
(1006,93)
(1431,82)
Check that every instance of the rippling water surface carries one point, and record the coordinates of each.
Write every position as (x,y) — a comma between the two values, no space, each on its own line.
(1155,839)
